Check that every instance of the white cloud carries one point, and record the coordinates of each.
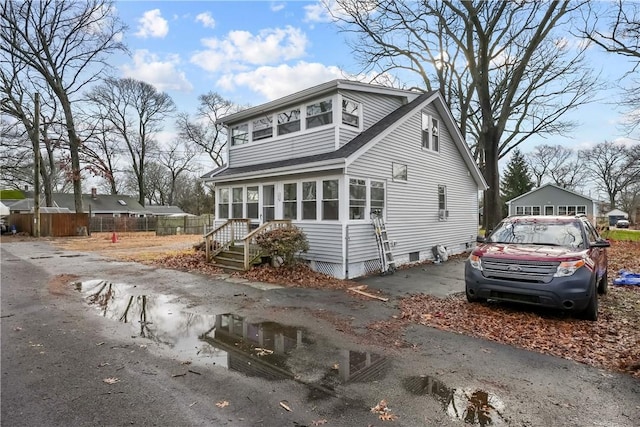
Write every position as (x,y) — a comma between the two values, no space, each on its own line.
(164,75)
(331,10)
(275,82)
(152,24)
(242,48)
(206,19)
(277,6)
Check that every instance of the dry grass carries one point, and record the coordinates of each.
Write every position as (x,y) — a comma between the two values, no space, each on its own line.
(142,246)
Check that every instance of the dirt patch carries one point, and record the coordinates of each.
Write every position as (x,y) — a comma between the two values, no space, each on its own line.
(59,285)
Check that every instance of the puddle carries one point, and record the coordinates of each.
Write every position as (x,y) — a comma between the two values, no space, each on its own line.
(267,350)
(475,407)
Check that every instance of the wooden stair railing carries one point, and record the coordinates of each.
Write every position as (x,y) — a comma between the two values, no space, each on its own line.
(226,235)
(251,249)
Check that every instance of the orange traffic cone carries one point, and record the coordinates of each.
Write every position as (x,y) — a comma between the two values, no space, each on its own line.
(114,237)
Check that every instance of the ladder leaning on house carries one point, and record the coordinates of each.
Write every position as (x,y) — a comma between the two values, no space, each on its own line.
(387,262)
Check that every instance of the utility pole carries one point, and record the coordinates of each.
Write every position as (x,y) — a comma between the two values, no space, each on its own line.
(36,173)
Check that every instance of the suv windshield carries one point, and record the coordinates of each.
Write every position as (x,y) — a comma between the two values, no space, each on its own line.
(538,233)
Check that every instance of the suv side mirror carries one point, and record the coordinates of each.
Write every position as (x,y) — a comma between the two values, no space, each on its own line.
(600,244)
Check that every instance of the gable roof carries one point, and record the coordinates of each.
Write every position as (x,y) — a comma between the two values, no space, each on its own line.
(350,151)
(550,185)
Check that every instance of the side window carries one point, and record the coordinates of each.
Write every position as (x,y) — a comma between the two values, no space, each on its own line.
(290,203)
(443,213)
(240,134)
(350,113)
(357,198)
(377,197)
(591,232)
(425,131)
(435,135)
(330,201)
(223,204)
(399,172)
(309,200)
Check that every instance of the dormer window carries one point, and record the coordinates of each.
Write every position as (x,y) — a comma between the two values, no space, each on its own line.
(240,134)
(262,128)
(289,122)
(350,113)
(319,114)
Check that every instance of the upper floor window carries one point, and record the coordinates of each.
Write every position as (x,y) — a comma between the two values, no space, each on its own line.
(240,134)
(319,114)
(399,171)
(289,121)
(430,133)
(350,113)
(262,128)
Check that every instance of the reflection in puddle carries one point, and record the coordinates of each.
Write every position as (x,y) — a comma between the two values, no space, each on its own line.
(265,349)
(476,407)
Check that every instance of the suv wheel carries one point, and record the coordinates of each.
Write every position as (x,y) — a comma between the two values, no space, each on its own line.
(603,285)
(591,312)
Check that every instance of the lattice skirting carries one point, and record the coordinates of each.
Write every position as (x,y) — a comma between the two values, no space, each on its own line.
(329,268)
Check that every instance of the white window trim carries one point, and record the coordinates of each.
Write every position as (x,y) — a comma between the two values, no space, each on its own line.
(398,179)
(530,207)
(360,114)
(367,207)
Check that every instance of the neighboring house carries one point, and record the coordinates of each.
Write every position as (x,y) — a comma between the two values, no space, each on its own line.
(329,156)
(164,210)
(615,215)
(550,199)
(110,205)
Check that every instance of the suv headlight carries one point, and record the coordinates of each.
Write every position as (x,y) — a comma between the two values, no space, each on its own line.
(476,262)
(567,268)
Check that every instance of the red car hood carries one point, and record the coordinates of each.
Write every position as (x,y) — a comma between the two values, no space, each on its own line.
(528,252)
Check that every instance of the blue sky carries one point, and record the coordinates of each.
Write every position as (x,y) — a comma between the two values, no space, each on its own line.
(254,51)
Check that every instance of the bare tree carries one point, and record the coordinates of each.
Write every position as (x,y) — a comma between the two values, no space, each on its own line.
(612,167)
(66,44)
(620,34)
(504,68)
(101,151)
(136,111)
(203,129)
(558,164)
(177,158)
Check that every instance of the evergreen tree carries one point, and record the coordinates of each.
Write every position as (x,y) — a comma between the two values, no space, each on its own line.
(516,179)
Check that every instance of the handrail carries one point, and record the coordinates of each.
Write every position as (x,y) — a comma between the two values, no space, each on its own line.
(251,248)
(226,235)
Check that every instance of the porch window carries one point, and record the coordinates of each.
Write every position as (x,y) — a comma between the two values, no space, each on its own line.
(236,205)
(262,128)
(399,171)
(252,202)
(330,202)
(223,205)
(240,134)
(548,210)
(309,200)
(268,203)
(319,114)
(377,197)
(535,210)
(289,121)
(350,113)
(290,202)
(357,198)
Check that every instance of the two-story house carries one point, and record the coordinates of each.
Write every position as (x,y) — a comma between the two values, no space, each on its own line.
(330,156)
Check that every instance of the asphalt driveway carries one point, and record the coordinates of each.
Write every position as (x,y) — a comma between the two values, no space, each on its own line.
(435,279)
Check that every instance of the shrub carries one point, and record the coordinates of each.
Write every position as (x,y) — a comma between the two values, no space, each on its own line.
(283,242)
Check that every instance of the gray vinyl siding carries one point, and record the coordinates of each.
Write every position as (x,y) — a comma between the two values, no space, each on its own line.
(300,144)
(552,196)
(362,242)
(325,241)
(412,206)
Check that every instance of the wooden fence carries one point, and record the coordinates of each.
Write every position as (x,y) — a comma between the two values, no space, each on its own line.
(52,224)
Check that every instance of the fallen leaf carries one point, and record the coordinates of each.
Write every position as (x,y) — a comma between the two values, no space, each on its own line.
(388,417)
(111,380)
(319,422)
(285,405)
(222,404)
